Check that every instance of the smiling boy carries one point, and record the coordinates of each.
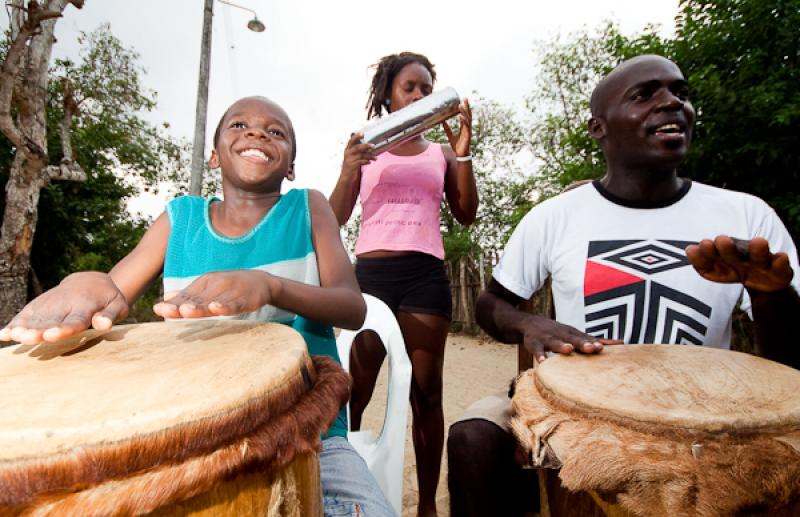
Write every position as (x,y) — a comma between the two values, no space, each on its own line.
(256,254)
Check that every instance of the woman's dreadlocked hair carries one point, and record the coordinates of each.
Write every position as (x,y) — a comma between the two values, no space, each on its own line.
(385,71)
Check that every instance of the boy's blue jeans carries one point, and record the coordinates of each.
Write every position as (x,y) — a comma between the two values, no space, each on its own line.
(348,487)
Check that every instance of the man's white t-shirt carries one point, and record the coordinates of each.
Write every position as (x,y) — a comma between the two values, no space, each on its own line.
(620,272)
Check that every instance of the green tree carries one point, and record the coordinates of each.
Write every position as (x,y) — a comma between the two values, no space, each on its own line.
(568,71)
(742,59)
(505,190)
(84,225)
(23,121)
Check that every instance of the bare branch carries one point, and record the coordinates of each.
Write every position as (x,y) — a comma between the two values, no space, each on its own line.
(70,110)
(8,76)
(11,66)
(37,14)
(66,171)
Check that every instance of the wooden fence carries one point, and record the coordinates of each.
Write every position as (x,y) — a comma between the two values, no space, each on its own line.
(468,277)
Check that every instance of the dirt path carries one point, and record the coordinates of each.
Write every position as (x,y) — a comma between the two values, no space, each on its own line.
(472,369)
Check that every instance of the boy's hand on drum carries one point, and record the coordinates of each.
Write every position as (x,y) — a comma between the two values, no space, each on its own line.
(81,300)
(728,260)
(542,334)
(460,142)
(356,154)
(221,293)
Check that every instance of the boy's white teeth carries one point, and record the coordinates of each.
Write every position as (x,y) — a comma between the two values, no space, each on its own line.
(668,128)
(254,152)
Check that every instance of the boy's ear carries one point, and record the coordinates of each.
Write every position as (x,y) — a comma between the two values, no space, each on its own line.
(213,160)
(290,173)
(597,128)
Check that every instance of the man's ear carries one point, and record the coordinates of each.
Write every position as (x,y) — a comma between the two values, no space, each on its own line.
(213,160)
(597,128)
(290,173)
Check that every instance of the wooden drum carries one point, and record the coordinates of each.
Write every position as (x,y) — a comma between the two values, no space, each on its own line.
(175,418)
(664,430)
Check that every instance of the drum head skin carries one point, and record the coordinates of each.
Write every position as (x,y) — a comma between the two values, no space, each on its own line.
(104,388)
(687,387)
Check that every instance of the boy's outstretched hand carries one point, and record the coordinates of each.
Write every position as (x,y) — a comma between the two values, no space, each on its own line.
(221,293)
(79,301)
(728,260)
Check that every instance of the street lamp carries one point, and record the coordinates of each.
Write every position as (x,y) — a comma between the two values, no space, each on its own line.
(201,111)
(255,24)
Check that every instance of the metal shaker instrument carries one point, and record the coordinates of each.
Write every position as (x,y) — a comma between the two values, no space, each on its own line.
(395,128)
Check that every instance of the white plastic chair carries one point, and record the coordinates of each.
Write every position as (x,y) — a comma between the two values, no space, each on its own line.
(384,455)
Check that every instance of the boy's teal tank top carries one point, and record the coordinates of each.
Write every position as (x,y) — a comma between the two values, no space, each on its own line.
(279,244)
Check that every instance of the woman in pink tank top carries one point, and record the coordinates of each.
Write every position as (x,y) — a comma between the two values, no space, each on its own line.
(400,256)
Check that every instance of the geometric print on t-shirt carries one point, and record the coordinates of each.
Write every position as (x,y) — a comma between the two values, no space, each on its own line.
(624,299)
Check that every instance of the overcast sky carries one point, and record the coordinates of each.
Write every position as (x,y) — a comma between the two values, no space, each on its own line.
(313,57)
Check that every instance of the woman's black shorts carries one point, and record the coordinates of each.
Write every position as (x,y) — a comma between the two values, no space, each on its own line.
(415,283)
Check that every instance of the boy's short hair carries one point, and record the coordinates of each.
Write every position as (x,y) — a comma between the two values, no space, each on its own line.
(291,132)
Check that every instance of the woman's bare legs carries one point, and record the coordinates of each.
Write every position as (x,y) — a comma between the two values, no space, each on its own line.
(366,357)
(425,336)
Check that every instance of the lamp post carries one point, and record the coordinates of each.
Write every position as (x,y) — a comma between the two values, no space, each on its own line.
(255,24)
(201,110)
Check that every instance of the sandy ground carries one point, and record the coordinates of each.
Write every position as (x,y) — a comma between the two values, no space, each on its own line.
(473,368)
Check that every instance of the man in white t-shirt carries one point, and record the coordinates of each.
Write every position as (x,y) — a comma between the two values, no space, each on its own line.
(624,253)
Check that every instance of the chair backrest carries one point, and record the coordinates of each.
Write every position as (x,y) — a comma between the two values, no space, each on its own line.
(384,455)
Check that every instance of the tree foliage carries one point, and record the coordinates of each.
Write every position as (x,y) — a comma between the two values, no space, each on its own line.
(504,189)
(84,225)
(568,70)
(741,59)
(111,133)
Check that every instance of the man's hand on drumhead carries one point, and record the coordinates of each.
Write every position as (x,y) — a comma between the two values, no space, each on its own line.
(221,293)
(542,334)
(728,260)
(80,301)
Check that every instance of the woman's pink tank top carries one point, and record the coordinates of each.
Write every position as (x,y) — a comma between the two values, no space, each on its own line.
(401,198)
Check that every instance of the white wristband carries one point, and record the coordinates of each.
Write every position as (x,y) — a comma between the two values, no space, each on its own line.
(467,158)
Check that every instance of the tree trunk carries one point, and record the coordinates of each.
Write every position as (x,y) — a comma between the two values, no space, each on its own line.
(16,236)
(464,297)
(25,71)
(482,271)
